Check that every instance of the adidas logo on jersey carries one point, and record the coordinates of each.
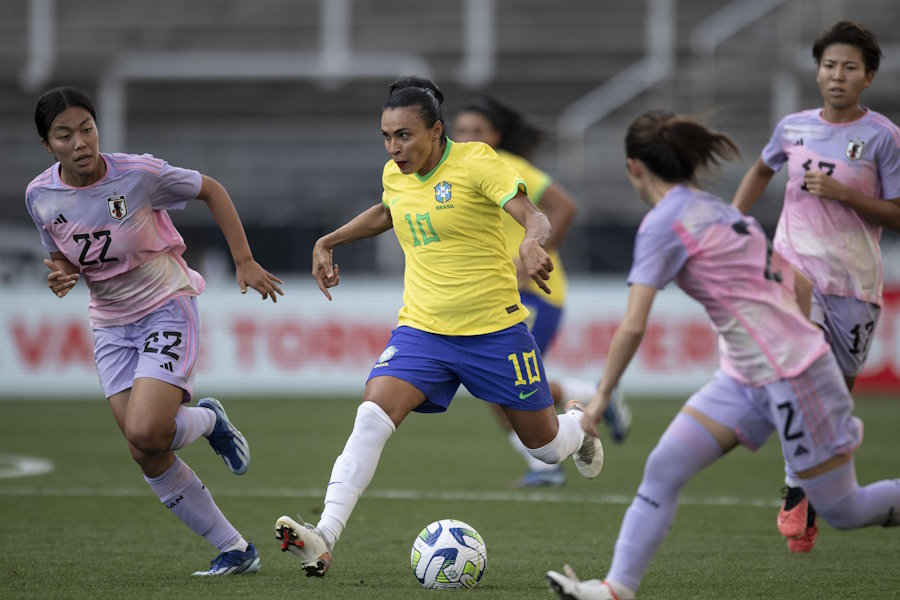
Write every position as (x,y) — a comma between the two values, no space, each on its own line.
(801,450)
(167,366)
(60,220)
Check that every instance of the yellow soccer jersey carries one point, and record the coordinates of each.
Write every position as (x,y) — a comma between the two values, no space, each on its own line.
(458,279)
(537,182)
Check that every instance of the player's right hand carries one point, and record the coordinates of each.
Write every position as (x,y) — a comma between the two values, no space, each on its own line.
(58,282)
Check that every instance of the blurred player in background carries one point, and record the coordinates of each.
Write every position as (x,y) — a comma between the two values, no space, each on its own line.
(103,217)
(515,139)
(843,186)
(776,370)
(462,319)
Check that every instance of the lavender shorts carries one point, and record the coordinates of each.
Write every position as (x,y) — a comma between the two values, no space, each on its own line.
(163,345)
(811,413)
(849,325)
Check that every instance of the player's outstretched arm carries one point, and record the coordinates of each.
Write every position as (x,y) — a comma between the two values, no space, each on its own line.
(63,275)
(622,348)
(248,272)
(369,223)
(752,186)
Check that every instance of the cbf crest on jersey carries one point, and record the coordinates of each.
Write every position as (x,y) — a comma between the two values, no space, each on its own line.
(442,192)
(117,207)
(855,149)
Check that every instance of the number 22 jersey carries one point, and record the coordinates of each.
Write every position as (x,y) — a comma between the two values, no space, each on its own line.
(118,234)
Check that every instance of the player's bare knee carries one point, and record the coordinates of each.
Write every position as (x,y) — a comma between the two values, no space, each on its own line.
(148,440)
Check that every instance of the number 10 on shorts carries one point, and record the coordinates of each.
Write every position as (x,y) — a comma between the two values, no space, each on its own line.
(529,359)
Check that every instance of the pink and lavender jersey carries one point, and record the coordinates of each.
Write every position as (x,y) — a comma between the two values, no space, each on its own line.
(119,235)
(832,244)
(723,260)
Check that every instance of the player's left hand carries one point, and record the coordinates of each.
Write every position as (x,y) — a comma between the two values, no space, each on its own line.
(251,274)
(824,186)
(536,262)
(521,274)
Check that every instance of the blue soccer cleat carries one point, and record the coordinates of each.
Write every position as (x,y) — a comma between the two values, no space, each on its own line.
(236,562)
(617,416)
(544,478)
(226,440)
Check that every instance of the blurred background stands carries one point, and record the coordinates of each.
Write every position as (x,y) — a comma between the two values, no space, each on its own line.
(280,99)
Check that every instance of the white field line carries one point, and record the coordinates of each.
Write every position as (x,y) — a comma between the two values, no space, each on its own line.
(14,465)
(388,494)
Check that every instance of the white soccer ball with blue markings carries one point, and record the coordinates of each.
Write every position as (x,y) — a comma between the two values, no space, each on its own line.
(448,554)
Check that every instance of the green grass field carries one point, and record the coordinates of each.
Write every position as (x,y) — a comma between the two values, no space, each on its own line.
(93,529)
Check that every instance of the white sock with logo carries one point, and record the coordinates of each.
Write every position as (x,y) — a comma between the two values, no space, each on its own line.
(354,468)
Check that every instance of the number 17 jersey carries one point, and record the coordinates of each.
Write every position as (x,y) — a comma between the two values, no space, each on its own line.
(118,234)
(832,244)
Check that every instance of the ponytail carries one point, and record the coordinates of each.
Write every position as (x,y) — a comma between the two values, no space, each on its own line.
(673,147)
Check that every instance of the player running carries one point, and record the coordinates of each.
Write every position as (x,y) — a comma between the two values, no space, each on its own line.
(776,372)
(104,217)
(461,320)
(514,139)
(843,163)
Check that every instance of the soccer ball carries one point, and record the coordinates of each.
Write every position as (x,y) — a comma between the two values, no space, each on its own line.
(448,554)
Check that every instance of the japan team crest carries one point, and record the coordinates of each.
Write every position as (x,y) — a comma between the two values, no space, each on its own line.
(117,207)
(855,149)
(442,192)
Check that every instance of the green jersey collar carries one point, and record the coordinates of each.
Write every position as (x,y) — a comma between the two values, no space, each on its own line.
(424,178)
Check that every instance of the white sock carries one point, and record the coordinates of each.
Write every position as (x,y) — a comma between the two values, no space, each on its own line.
(533,463)
(354,468)
(190,423)
(184,494)
(567,441)
(577,389)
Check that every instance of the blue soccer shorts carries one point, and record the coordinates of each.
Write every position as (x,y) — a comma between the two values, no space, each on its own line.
(503,367)
(543,320)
